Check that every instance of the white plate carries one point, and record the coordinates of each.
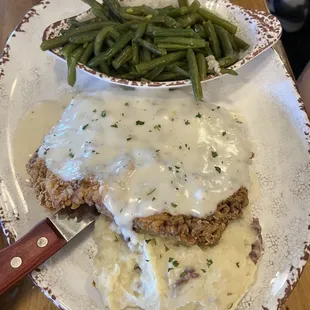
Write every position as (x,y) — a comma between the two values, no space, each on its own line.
(260,29)
(265,95)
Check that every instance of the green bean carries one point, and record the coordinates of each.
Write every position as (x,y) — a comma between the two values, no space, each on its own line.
(189,20)
(180,40)
(59,41)
(114,8)
(154,73)
(68,49)
(75,23)
(206,51)
(177,47)
(176,69)
(217,20)
(135,46)
(169,76)
(200,31)
(163,32)
(110,42)
(158,19)
(104,68)
(145,54)
(87,53)
(194,74)
(119,45)
(229,71)
(202,66)
(83,37)
(178,12)
(171,22)
(126,16)
(194,6)
(149,11)
(97,8)
(151,47)
(123,57)
(72,62)
(240,43)
(100,38)
(233,42)
(100,14)
(225,42)
(183,3)
(223,71)
(165,10)
(160,61)
(213,39)
(134,10)
(53,43)
(228,60)
(133,75)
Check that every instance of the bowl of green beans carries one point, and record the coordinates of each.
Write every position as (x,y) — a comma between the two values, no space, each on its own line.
(160,43)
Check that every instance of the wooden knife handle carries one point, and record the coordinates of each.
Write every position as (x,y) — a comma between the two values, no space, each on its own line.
(29,252)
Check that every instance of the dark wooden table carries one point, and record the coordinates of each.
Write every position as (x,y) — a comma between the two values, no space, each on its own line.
(26,296)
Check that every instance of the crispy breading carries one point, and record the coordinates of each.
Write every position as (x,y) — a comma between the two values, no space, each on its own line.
(54,193)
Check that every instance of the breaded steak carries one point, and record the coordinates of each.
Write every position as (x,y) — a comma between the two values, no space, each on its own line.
(54,193)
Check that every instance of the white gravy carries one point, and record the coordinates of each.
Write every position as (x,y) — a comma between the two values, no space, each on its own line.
(151,151)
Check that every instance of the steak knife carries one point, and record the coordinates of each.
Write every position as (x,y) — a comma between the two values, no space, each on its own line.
(42,242)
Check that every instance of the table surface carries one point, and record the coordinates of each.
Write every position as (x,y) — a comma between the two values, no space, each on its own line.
(26,296)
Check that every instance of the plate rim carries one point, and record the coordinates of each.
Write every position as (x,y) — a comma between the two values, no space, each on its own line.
(8,229)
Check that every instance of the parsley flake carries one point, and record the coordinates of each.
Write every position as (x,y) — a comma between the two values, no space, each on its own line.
(71,155)
(218,169)
(126,104)
(173,205)
(169,269)
(104,113)
(148,240)
(224,133)
(139,123)
(158,127)
(116,239)
(147,260)
(114,125)
(214,154)
(238,264)
(230,306)
(204,270)
(95,111)
(128,139)
(175,263)
(198,115)
(187,122)
(84,127)
(170,259)
(183,274)
(166,248)
(209,262)
(151,192)
(153,198)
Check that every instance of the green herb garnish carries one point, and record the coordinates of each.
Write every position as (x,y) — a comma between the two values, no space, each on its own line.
(218,169)
(84,127)
(204,270)
(151,192)
(104,113)
(198,115)
(114,125)
(173,205)
(158,127)
(139,123)
(214,154)
(209,262)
